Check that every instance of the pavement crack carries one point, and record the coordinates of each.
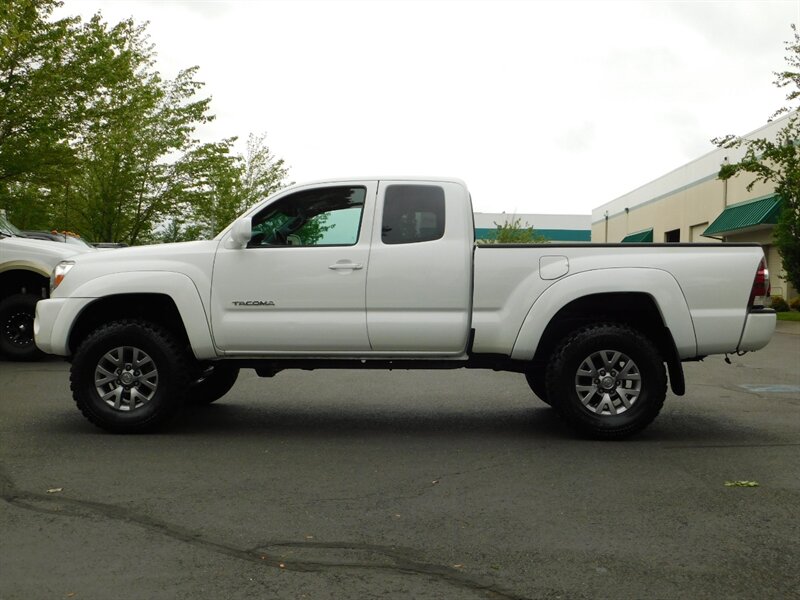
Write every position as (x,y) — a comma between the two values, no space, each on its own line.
(319,556)
(421,489)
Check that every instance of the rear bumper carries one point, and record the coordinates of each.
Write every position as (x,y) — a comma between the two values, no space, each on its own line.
(758,329)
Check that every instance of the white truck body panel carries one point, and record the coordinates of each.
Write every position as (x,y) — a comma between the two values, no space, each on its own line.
(703,302)
(377,298)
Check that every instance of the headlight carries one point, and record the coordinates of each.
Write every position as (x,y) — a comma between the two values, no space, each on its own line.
(58,274)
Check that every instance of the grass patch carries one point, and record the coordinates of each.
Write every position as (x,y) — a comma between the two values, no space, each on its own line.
(789,316)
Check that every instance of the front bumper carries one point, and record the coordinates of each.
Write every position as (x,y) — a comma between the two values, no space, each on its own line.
(54,319)
(758,329)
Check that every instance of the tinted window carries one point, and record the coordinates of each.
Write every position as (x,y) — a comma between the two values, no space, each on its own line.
(412,213)
(328,216)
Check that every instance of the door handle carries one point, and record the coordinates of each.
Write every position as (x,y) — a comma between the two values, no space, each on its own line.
(341,266)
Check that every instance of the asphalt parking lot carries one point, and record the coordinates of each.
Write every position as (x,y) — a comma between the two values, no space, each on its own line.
(343,484)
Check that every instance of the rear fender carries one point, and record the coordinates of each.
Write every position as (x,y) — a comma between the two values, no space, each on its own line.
(659,285)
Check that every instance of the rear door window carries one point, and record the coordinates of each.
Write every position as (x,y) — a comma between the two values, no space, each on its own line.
(412,214)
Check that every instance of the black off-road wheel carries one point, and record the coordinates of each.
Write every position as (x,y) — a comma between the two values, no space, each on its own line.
(16,327)
(607,381)
(130,376)
(215,381)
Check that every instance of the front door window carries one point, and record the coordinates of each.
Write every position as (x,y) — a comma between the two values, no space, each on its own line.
(328,216)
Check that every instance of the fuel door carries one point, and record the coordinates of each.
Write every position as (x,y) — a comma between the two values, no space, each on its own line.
(553,267)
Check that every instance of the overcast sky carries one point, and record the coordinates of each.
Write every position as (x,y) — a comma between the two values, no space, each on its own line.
(541,107)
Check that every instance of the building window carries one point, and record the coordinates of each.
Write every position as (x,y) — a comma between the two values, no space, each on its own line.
(696,233)
(673,236)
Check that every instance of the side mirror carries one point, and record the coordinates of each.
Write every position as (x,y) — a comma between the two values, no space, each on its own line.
(240,233)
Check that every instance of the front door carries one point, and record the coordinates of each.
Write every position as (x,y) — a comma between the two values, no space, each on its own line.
(300,284)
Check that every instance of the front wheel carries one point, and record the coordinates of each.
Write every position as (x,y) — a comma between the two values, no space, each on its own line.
(129,376)
(607,380)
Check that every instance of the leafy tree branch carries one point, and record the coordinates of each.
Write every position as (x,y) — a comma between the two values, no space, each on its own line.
(777,161)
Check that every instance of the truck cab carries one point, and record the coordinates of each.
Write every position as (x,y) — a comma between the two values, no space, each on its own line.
(393,257)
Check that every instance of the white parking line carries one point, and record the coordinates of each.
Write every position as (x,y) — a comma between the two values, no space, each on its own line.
(770,389)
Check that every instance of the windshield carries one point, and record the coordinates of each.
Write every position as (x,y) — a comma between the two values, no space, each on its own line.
(7,228)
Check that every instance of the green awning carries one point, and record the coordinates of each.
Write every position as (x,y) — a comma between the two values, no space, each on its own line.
(746,215)
(639,237)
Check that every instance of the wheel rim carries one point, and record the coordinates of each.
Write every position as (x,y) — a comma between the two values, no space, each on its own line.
(126,378)
(608,383)
(19,329)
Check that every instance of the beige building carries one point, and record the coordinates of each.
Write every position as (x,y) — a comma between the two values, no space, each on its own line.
(691,204)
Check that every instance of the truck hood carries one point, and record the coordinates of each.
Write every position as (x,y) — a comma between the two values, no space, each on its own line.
(156,252)
(39,254)
(181,257)
(193,260)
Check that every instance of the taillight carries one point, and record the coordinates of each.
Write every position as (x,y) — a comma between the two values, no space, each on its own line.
(761,287)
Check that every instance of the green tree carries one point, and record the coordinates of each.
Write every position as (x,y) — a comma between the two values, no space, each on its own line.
(93,139)
(223,186)
(136,147)
(514,232)
(778,162)
(49,73)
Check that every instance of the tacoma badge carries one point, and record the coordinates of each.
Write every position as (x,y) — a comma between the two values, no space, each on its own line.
(253,303)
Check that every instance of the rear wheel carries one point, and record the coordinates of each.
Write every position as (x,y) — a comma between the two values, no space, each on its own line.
(16,327)
(129,376)
(607,381)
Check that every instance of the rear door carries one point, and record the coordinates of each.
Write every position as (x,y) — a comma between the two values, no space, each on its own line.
(419,284)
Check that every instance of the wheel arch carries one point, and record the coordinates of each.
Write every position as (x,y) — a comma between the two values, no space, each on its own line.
(648,299)
(167,299)
(22,278)
(632,308)
(594,294)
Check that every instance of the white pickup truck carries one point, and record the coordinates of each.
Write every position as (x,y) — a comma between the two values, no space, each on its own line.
(385,273)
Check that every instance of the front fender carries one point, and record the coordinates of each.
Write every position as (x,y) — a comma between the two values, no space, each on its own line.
(656,283)
(177,286)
